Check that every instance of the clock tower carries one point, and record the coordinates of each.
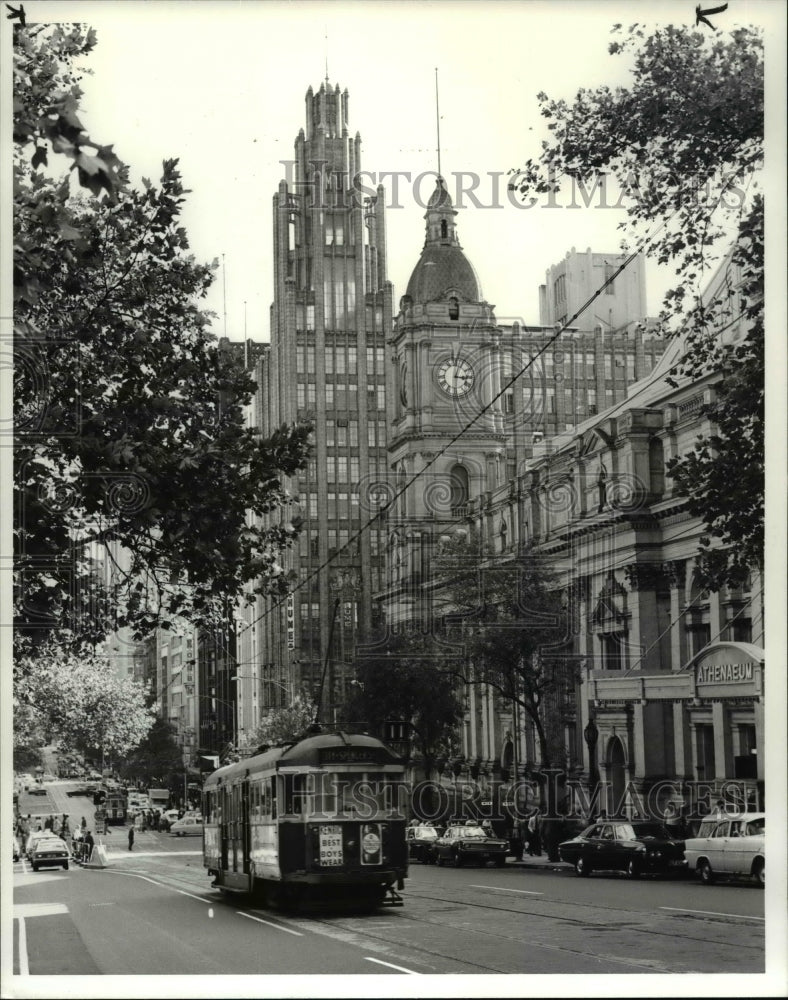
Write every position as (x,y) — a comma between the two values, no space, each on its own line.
(447,428)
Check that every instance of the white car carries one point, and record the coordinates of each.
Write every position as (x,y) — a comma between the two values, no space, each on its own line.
(729,846)
(189,826)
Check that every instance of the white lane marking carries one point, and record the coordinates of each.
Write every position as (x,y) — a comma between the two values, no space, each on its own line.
(399,968)
(24,968)
(501,888)
(22,910)
(163,885)
(270,923)
(712,913)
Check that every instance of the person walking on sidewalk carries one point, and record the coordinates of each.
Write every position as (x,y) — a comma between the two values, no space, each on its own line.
(87,846)
(131,837)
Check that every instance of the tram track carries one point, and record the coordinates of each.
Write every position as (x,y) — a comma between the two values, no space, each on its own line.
(355,927)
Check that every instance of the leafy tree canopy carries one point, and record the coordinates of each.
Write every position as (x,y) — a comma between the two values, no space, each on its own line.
(409,681)
(513,623)
(131,444)
(284,725)
(684,142)
(79,701)
(156,758)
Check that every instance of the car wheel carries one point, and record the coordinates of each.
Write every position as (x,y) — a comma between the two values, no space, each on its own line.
(706,873)
(34,867)
(65,866)
(633,868)
(500,862)
(582,867)
(457,860)
(438,860)
(759,872)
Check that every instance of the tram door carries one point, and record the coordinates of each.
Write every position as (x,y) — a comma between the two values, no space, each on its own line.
(226,795)
(245,830)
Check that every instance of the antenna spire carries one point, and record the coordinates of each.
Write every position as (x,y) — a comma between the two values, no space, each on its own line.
(224,295)
(326,53)
(438,121)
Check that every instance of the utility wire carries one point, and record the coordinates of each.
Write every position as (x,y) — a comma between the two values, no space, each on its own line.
(456,437)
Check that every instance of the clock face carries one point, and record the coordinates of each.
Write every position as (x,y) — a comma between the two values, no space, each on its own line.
(456,376)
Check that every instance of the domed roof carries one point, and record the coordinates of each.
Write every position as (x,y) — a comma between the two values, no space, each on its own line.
(443,268)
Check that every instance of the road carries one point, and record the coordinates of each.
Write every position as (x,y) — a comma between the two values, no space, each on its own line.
(153,911)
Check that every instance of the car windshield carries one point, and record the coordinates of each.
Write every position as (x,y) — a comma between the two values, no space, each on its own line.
(426,832)
(650,831)
(473,832)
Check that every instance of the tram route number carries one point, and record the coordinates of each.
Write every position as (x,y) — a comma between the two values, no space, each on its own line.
(331,853)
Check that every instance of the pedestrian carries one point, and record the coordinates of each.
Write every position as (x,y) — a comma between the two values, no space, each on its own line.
(534,845)
(49,824)
(64,828)
(131,837)
(84,824)
(144,821)
(87,846)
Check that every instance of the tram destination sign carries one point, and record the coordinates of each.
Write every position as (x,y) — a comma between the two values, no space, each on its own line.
(349,755)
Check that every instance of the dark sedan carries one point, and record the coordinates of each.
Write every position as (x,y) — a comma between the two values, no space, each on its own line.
(631,846)
(420,840)
(80,790)
(469,843)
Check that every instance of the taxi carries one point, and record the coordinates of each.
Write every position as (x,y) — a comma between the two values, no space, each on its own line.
(48,852)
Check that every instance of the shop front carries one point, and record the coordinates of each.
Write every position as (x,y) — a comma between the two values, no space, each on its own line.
(680,740)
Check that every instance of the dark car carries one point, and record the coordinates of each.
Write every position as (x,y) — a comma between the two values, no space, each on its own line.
(420,840)
(631,846)
(469,843)
(79,790)
(48,851)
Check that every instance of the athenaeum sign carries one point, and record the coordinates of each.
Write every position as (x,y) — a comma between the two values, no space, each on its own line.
(728,670)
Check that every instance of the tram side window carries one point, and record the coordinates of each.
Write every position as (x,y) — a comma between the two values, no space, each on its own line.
(272,793)
(207,807)
(296,794)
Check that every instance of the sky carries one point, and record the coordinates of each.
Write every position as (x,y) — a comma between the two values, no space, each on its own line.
(221,85)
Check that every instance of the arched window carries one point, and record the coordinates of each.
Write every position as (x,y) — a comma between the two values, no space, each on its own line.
(444,229)
(459,490)
(454,307)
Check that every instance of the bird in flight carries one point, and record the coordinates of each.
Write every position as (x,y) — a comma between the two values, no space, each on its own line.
(16,15)
(700,15)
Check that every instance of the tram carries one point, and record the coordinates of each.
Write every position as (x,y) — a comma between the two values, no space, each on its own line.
(321,819)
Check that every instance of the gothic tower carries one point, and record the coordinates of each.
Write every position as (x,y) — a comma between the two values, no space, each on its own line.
(330,319)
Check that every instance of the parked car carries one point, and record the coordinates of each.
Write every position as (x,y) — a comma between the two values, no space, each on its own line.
(189,826)
(36,790)
(48,852)
(632,846)
(469,843)
(729,847)
(420,840)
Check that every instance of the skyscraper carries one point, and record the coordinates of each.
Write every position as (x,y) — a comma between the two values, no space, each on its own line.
(330,318)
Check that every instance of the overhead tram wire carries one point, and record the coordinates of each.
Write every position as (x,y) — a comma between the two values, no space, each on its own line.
(463,430)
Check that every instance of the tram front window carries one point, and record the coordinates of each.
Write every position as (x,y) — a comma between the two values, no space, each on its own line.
(331,794)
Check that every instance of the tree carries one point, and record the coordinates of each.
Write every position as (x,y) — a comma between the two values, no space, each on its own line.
(156,758)
(407,682)
(284,725)
(685,145)
(79,701)
(132,446)
(512,622)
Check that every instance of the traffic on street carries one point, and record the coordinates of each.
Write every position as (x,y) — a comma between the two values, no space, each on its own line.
(535,916)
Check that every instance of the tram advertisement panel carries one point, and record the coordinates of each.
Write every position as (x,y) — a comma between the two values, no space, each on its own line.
(371,844)
(331,852)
